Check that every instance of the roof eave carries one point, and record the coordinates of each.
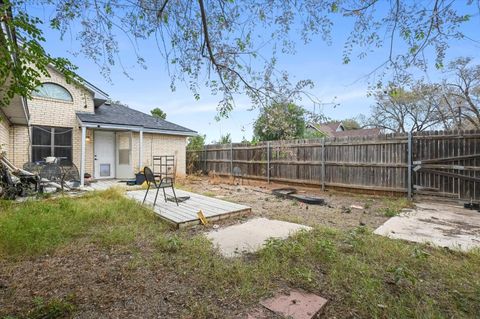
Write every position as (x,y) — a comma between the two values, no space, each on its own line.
(134,128)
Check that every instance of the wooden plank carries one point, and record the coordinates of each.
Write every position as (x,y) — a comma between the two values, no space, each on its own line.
(208,202)
(208,208)
(322,173)
(409,169)
(378,163)
(446,159)
(186,212)
(440,137)
(311,182)
(339,143)
(215,218)
(268,162)
(459,176)
(315,163)
(220,203)
(450,167)
(180,212)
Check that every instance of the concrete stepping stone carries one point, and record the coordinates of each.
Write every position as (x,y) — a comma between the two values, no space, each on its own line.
(251,235)
(436,223)
(260,313)
(295,304)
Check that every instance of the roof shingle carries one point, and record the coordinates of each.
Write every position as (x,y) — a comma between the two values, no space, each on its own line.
(122,115)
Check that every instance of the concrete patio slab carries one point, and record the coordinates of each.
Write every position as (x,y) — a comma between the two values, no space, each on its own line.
(295,304)
(251,235)
(442,225)
(260,312)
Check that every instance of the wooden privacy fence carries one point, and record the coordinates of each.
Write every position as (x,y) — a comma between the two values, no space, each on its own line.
(441,163)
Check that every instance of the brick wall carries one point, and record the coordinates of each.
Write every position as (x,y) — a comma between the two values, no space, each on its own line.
(4,133)
(160,144)
(52,112)
(19,145)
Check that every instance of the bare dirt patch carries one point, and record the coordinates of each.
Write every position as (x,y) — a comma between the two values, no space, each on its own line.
(104,283)
(121,261)
(343,211)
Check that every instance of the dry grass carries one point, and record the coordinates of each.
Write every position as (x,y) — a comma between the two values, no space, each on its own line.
(363,275)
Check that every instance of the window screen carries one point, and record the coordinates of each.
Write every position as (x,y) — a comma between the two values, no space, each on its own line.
(51,141)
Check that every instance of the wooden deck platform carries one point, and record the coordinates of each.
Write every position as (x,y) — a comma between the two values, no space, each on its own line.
(186,213)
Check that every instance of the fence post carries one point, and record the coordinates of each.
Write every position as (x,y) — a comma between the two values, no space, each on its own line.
(409,165)
(323,164)
(205,158)
(268,162)
(231,159)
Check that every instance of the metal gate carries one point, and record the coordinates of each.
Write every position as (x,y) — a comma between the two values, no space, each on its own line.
(447,164)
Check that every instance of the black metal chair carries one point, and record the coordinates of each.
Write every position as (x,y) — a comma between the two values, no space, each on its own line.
(166,181)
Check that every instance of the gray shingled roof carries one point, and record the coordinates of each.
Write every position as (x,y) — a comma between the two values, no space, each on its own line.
(121,115)
(362,132)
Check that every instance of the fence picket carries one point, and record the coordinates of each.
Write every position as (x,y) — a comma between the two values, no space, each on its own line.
(440,162)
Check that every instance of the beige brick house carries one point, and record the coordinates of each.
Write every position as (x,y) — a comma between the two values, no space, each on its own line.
(75,121)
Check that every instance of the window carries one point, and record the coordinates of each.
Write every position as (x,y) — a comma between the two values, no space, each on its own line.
(51,141)
(53,91)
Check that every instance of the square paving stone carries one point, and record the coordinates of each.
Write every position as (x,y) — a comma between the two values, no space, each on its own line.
(295,304)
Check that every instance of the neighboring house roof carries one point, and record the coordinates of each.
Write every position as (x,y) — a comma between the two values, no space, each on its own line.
(358,133)
(327,128)
(336,129)
(117,114)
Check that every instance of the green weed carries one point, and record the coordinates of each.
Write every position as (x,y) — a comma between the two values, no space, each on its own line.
(38,227)
(209,194)
(393,207)
(51,309)
(364,275)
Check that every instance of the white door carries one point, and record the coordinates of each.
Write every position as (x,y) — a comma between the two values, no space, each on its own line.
(104,148)
(124,163)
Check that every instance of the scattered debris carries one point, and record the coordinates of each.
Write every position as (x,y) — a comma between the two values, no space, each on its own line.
(356,207)
(308,199)
(266,204)
(283,192)
(180,199)
(202,218)
(295,304)
(346,210)
(291,193)
(472,206)
(16,182)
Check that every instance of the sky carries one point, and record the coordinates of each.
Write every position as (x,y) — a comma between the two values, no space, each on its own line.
(146,89)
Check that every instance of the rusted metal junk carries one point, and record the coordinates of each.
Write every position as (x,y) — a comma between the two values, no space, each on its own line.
(36,177)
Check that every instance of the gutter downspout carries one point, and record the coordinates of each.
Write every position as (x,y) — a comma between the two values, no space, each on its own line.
(82,156)
(140,150)
(29,127)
